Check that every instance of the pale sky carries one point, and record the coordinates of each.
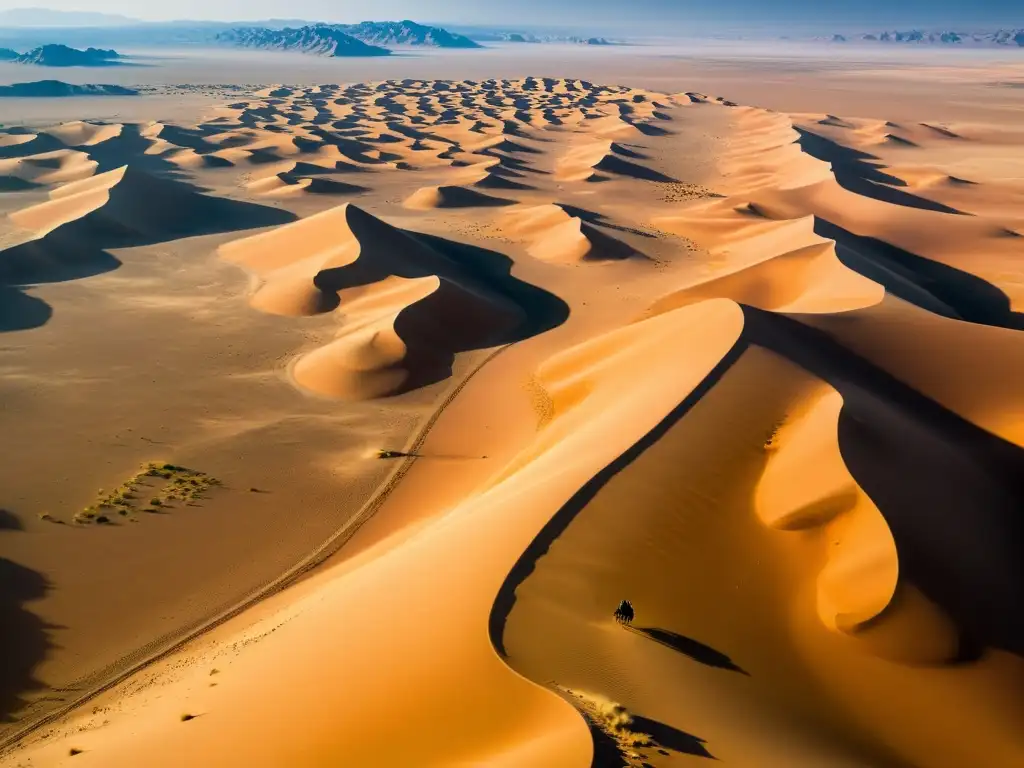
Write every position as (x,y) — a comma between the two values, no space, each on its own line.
(666,15)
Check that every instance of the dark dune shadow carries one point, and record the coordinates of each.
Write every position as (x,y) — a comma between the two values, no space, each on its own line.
(617,165)
(862,174)
(498,181)
(10,521)
(146,207)
(24,637)
(950,492)
(560,521)
(606,752)
(649,129)
(928,284)
(604,247)
(15,184)
(20,311)
(544,311)
(322,186)
(471,278)
(703,654)
(56,258)
(43,142)
(599,219)
(461,197)
(626,151)
(671,738)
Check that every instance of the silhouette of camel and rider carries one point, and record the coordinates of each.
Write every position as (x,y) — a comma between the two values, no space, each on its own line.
(624,614)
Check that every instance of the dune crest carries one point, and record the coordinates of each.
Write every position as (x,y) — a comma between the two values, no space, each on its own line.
(557,236)
(428,198)
(405,304)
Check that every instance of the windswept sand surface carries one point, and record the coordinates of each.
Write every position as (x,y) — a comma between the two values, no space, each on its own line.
(756,372)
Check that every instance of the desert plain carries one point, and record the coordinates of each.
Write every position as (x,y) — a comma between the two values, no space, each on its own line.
(342,403)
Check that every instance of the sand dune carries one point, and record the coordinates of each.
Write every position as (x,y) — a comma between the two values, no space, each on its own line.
(592,160)
(783,418)
(408,306)
(127,205)
(57,167)
(452,197)
(557,236)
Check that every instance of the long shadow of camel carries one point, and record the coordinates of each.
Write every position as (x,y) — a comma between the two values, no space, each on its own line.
(696,650)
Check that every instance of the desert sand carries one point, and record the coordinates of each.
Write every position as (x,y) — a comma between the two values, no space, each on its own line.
(751,364)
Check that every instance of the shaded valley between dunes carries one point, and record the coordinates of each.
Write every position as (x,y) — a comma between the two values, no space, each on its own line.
(426,377)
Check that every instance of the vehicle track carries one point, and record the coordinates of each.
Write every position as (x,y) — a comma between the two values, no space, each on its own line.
(114,674)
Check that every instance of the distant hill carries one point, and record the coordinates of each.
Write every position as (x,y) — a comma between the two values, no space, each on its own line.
(320,39)
(1010,37)
(8,54)
(63,56)
(54,88)
(46,17)
(527,37)
(406,32)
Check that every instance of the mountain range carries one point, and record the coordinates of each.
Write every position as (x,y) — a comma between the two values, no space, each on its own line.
(405,33)
(368,38)
(527,37)
(1010,37)
(62,56)
(320,39)
(55,88)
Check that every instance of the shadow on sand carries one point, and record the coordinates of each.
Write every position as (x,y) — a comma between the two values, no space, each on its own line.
(928,284)
(146,207)
(950,492)
(560,521)
(476,271)
(863,174)
(696,650)
(24,637)
(608,754)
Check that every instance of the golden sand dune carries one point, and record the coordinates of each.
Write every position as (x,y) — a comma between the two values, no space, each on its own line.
(57,167)
(408,305)
(591,161)
(555,235)
(452,197)
(791,437)
(82,134)
(128,205)
(67,236)
(283,184)
(781,265)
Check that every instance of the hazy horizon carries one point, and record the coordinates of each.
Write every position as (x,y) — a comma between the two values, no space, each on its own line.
(661,17)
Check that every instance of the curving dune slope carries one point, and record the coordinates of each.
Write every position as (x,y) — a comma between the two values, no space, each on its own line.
(407,305)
